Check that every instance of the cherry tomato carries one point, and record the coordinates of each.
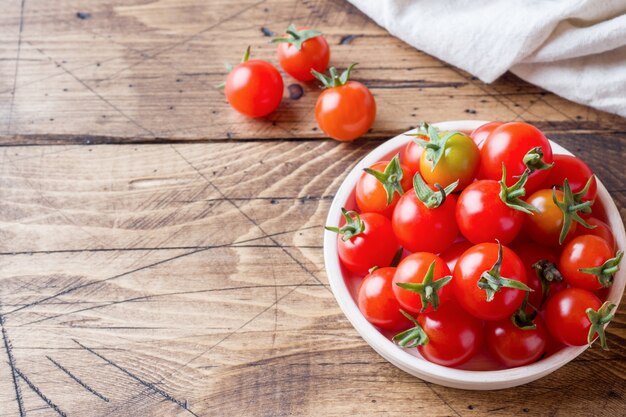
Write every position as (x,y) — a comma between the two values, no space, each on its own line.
(425,224)
(254,88)
(507,275)
(583,261)
(509,144)
(482,132)
(411,155)
(452,254)
(365,241)
(602,230)
(377,301)
(545,225)
(568,321)
(346,109)
(448,336)
(301,50)
(576,172)
(514,346)
(381,180)
(413,278)
(448,157)
(531,253)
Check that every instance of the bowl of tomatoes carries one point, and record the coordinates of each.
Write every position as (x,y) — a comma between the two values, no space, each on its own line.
(475,255)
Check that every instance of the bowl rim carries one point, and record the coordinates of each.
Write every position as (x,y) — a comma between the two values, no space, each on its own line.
(452,377)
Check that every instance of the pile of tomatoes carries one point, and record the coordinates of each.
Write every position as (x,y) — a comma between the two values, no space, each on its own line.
(481,242)
(345,109)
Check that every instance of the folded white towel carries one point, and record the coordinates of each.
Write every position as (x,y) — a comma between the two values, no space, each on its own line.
(574,48)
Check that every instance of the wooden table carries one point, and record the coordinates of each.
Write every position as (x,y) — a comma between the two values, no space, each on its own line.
(161,255)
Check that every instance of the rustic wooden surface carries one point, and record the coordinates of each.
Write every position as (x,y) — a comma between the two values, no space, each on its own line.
(161,255)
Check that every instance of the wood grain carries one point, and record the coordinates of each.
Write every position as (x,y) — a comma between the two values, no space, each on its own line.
(161,255)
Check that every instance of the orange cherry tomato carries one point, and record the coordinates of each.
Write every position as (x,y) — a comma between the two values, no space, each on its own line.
(545,225)
(372,193)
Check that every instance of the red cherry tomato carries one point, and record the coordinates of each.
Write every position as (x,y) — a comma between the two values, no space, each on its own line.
(468,273)
(377,301)
(482,216)
(301,50)
(254,88)
(602,230)
(423,229)
(365,241)
(544,226)
(482,132)
(509,144)
(372,193)
(414,270)
(514,346)
(346,109)
(452,254)
(581,263)
(567,319)
(530,253)
(411,154)
(448,336)
(577,173)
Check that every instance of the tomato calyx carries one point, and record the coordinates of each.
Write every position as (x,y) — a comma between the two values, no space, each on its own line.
(491,281)
(605,271)
(390,178)
(435,146)
(334,80)
(534,160)
(598,319)
(431,199)
(413,337)
(547,272)
(511,196)
(570,206)
(428,289)
(296,37)
(522,319)
(353,227)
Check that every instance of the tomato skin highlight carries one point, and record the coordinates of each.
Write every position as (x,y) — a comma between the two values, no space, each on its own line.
(421,229)
(513,346)
(454,252)
(482,132)
(377,301)
(411,154)
(586,251)
(375,246)
(577,173)
(544,226)
(482,216)
(370,194)
(412,269)
(601,230)
(454,336)
(254,88)
(345,112)
(313,54)
(467,272)
(508,144)
(566,317)
(460,161)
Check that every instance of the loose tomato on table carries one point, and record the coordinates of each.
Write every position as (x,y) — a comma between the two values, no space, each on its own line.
(381,186)
(574,316)
(542,274)
(489,281)
(448,336)
(301,50)
(423,220)
(588,262)
(482,132)
(365,241)
(254,87)
(577,173)
(601,229)
(518,146)
(488,210)
(448,157)
(421,282)
(377,301)
(346,109)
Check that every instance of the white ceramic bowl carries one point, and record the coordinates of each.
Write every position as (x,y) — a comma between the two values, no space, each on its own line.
(409,360)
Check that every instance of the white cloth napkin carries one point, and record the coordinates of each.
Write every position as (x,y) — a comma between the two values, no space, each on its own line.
(574,48)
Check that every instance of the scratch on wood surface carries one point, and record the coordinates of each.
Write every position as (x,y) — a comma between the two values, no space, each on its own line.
(40,394)
(77,380)
(17,65)
(11,361)
(181,403)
